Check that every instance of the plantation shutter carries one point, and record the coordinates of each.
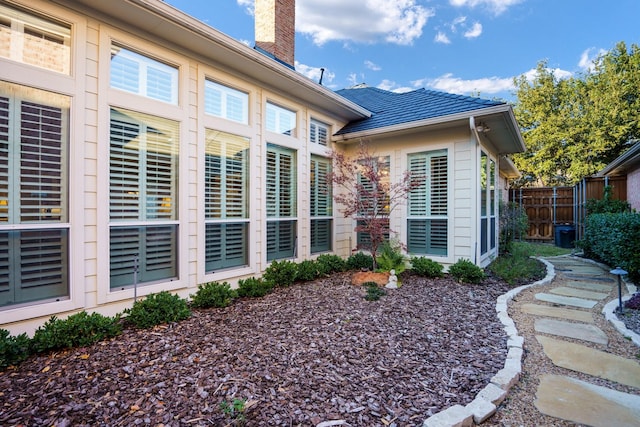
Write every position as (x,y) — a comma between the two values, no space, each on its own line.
(142,188)
(33,183)
(281,191)
(226,200)
(428,204)
(320,205)
(318,133)
(125,72)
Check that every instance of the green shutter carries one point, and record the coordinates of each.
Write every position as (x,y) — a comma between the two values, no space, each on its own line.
(226,246)
(281,239)
(321,205)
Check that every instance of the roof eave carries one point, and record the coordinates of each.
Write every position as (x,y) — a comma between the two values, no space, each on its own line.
(619,165)
(165,22)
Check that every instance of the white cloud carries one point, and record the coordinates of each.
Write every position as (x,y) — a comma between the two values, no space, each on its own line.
(557,72)
(372,66)
(441,38)
(588,58)
(474,32)
(248,5)
(364,21)
(496,6)
(314,73)
(459,20)
(451,84)
(393,87)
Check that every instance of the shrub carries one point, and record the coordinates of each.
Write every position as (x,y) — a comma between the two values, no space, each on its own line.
(391,258)
(329,263)
(213,294)
(614,238)
(426,267)
(78,330)
(253,287)
(607,204)
(374,292)
(156,309)
(308,270)
(465,271)
(514,222)
(359,261)
(633,302)
(281,273)
(13,349)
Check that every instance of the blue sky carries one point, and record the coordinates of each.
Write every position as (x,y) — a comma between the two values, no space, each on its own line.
(457,46)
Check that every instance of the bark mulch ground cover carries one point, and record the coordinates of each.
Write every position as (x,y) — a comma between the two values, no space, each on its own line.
(303,355)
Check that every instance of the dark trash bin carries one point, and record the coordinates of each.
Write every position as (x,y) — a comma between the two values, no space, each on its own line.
(565,235)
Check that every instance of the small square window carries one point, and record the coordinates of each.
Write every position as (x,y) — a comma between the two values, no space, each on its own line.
(280,120)
(225,102)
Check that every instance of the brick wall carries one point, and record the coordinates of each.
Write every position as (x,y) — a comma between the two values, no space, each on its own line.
(275,28)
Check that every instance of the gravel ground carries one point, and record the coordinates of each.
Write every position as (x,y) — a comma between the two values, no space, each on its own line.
(631,319)
(302,355)
(518,409)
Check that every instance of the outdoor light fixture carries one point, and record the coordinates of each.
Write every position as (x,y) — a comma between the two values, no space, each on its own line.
(482,127)
(619,272)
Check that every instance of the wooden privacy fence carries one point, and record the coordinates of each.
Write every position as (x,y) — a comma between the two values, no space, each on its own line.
(548,207)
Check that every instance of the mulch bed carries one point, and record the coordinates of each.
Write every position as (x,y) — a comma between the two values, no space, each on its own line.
(303,355)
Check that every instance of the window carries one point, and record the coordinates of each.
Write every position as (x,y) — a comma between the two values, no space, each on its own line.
(374,203)
(135,73)
(34,219)
(225,102)
(143,193)
(34,40)
(487,203)
(226,200)
(281,202)
(321,205)
(427,206)
(318,133)
(280,120)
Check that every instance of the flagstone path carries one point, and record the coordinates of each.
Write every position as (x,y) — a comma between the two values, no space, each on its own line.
(564,326)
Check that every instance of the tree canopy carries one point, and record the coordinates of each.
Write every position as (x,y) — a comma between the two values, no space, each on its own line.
(575,126)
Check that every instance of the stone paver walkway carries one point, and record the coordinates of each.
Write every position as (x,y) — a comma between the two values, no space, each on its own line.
(564,326)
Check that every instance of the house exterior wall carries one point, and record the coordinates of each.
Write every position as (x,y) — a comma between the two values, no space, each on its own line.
(88,87)
(90,222)
(633,189)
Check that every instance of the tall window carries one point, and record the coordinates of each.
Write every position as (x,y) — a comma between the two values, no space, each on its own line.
(281,202)
(225,102)
(34,175)
(143,197)
(428,204)
(374,203)
(321,205)
(487,203)
(280,120)
(141,75)
(34,40)
(226,200)
(318,133)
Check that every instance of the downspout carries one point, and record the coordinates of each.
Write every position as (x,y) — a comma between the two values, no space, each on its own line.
(474,132)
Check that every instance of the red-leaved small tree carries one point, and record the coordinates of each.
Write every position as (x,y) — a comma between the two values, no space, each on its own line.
(366,193)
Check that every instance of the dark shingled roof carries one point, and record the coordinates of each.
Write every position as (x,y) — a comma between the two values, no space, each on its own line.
(391,108)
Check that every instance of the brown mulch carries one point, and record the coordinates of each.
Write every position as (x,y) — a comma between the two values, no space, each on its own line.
(303,355)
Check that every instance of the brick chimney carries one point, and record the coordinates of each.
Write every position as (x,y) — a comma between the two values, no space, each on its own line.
(275,28)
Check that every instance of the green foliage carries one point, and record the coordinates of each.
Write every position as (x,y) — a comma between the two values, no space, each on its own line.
(253,287)
(308,270)
(329,263)
(465,271)
(607,204)
(235,410)
(213,294)
(516,270)
(281,273)
(156,309)
(529,249)
(360,261)
(614,238)
(391,258)
(513,223)
(78,330)
(575,126)
(426,267)
(13,349)
(374,292)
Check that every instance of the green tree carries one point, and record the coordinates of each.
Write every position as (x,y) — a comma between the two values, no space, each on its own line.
(575,126)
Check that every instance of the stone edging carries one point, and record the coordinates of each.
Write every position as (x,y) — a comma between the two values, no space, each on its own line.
(488,399)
